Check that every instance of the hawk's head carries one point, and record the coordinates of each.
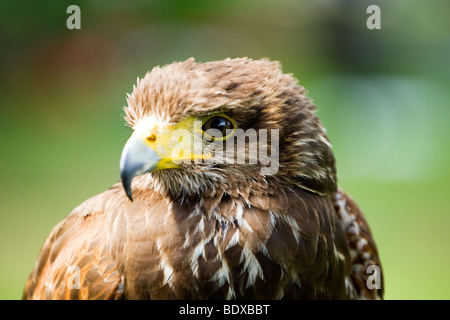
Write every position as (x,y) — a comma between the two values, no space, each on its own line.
(235,126)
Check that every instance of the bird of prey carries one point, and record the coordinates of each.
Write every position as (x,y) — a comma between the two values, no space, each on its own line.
(228,191)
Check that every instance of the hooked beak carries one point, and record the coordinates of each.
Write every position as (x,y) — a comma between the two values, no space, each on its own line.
(137,158)
(153,146)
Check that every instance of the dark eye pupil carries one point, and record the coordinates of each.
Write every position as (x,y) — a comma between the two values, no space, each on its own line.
(218,123)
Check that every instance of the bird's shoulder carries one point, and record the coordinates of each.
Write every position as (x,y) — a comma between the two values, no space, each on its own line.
(366,274)
(75,261)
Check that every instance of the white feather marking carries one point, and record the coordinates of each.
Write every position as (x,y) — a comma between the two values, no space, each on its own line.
(199,251)
(264,250)
(324,140)
(291,222)
(338,254)
(201,226)
(303,142)
(251,265)
(164,265)
(349,288)
(169,212)
(222,275)
(238,213)
(246,225)
(234,240)
(361,243)
(186,242)
(296,279)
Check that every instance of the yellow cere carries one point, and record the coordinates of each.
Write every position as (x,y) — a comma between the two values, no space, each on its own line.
(174,143)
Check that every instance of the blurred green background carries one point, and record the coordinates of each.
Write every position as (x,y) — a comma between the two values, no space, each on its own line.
(382,94)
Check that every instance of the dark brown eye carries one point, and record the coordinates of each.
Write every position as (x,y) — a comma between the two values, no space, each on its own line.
(219,123)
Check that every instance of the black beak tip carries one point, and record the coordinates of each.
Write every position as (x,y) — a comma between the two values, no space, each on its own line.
(129,195)
(126,183)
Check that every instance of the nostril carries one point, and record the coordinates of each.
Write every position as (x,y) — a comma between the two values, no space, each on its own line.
(151,138)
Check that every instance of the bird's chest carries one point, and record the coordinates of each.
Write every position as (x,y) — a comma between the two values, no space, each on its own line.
(252,253)
(208,257)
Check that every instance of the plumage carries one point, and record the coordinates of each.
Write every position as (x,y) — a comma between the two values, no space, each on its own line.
(205,230)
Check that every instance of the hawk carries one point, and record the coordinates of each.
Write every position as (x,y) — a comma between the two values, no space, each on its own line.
(198,216)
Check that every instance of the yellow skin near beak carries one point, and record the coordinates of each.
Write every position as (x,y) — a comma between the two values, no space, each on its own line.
(156,146)
(173,143)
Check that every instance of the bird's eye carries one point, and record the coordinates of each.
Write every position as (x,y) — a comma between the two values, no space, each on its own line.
(218,125)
